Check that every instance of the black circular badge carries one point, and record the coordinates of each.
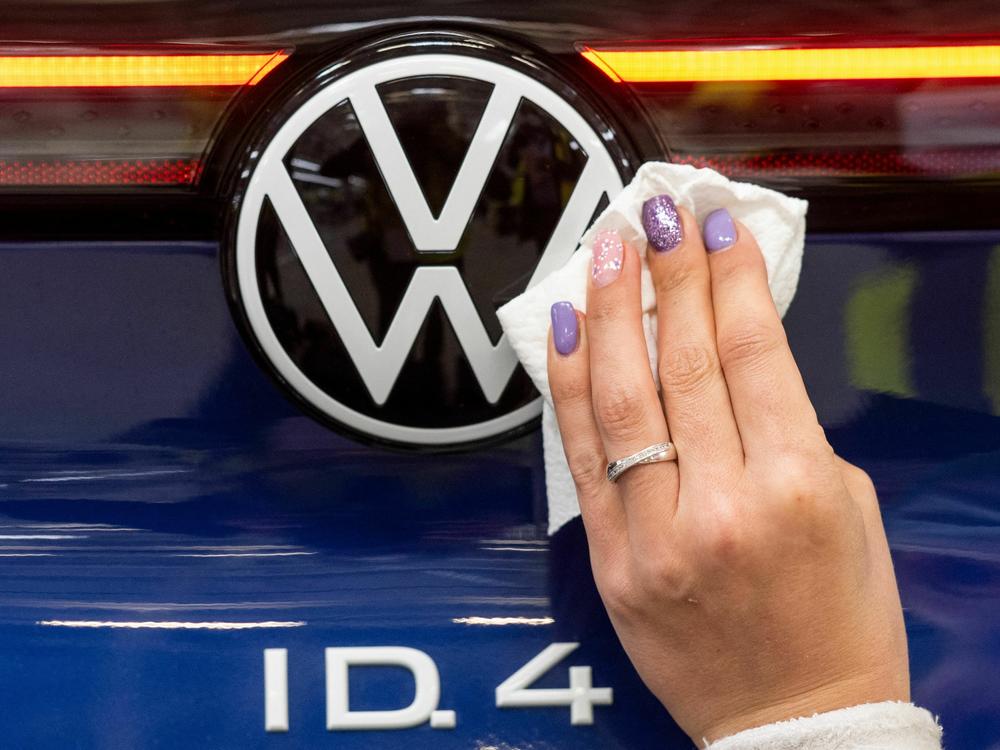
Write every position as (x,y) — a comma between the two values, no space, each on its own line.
(394,205)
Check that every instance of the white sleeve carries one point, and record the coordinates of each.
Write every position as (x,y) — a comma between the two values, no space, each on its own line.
(873,726)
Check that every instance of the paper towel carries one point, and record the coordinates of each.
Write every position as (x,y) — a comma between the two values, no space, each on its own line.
(777,221)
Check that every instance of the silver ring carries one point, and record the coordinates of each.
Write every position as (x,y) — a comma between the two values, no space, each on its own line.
(651,455)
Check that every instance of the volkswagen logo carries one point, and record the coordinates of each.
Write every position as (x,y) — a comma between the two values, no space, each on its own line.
(388,215)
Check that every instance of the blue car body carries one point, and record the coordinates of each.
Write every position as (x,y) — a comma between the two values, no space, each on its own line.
(167,512)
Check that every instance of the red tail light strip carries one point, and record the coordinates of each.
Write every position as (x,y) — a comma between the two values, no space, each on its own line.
(650,65)
(116,71)
(100,173)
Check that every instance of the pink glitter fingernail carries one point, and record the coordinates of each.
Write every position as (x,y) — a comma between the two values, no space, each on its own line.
(608,253)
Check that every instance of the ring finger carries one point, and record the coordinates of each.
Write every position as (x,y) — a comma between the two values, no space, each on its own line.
(627,409)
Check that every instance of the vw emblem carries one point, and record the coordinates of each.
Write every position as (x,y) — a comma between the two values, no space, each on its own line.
(386,219)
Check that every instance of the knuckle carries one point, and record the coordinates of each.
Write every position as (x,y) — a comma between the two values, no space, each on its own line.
(798,482)
(858,481)
(570,390)
(749,344)
(859,476)
(587,466)
(806,493)
(619,592)
(746,263)
(815,438)
(726,539)
(796,475)
(665,576)
(686,370)
(620,410)
(678,277)
(806,450)
(601,313)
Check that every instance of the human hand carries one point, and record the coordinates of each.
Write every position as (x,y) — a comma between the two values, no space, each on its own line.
(750,581)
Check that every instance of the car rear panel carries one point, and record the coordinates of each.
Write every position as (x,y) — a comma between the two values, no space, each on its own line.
(168,511)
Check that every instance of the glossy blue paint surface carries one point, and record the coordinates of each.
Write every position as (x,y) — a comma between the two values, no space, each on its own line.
(151,473)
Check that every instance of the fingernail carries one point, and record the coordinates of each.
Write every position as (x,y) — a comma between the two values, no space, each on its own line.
(662,223)
(608,252)
(565,329)
(719,231)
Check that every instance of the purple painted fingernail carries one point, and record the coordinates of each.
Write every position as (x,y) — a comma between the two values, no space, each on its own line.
(661,222)
(565,330)
(719,231)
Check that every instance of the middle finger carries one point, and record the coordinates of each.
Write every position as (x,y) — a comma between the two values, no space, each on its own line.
(693,387)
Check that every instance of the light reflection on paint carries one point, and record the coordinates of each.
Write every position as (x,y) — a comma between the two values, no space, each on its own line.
(493,621)
(515,549)
(244,554)
(27,554)
(70,527)
(155,625)
(540,542)
(102,476)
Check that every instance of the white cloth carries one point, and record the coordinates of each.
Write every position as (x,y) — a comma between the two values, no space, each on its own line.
(873,726)
(777,221)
